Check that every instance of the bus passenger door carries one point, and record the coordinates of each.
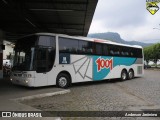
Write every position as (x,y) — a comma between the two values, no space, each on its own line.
(41,77)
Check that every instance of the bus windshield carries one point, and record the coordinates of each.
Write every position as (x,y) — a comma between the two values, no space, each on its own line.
(34,53)
(25,54)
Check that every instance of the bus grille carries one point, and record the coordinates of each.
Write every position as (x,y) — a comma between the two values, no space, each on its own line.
(139,70)
(18,75)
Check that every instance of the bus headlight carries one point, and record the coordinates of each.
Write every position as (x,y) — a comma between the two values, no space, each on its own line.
(26,81)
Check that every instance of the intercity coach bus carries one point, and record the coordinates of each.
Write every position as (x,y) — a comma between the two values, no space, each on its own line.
(44,59)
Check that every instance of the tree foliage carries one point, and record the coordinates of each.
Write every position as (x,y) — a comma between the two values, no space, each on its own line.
(152,53)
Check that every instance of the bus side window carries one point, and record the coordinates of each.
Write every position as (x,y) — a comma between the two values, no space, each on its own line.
(85,47)
(124,52)
(67,45)
(111,50)
(131,54)
(98,48)
(133,50)
(105,49)
(138,52)
(116,50)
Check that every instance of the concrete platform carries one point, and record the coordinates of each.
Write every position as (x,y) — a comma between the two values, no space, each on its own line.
(10,95)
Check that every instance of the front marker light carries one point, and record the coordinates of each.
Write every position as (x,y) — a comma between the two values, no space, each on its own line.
(26,81)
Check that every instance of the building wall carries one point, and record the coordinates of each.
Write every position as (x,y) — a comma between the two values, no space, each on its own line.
(2,36)
(8,49)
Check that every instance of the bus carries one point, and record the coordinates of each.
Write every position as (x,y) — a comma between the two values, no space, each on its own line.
(44,59)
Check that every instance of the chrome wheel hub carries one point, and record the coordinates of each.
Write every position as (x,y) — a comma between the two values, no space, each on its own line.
(124,76)
(62,81)
(130,74)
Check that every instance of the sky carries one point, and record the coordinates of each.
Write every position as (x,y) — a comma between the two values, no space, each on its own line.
(129,18)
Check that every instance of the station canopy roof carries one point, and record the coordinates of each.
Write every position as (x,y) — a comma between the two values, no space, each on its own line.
(23,17)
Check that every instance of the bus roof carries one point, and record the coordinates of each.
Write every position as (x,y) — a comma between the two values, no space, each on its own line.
(89,39)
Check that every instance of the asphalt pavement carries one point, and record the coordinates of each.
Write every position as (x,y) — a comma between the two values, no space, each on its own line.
(132,95)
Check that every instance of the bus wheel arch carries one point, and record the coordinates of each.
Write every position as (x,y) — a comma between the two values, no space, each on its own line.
(124,74)
(130,73)
(63,79)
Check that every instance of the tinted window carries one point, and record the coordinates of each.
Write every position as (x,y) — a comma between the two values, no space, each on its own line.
(98,48)
(105,49)
(45,53)
(45,59)
(67,45)
(132,54)
(46,41)
(114,50)
(110,50)
(137,52)
(26,43)
(140,53)
(24,53)
(85,47)
(125,51)
(41,61)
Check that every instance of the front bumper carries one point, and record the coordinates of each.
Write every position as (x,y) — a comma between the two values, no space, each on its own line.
(22,81)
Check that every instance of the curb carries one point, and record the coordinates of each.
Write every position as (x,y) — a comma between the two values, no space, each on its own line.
(42,95)
(153,69)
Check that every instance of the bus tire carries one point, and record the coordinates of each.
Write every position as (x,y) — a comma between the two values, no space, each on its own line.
(130,74)
(63,80)
(124,75)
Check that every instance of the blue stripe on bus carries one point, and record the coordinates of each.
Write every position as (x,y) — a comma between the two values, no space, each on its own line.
(102,71)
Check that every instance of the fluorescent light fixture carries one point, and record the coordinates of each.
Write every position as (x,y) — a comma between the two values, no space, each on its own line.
(5,1)
(31,23)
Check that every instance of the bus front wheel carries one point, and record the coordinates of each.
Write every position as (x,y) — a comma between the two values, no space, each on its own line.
(124,75)
(63,80)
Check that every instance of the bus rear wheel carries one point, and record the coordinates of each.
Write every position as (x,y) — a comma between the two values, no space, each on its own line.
(124,75)
(130,74)
(63,80)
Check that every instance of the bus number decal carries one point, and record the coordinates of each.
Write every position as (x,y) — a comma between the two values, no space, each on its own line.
(104,63)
